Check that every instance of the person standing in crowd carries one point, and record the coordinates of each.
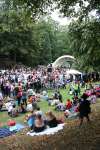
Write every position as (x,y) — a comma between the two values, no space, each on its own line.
(84,109)
(1,100)
(24,97)
(19,96)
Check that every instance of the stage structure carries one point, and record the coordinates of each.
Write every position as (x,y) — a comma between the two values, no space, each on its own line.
(66,62)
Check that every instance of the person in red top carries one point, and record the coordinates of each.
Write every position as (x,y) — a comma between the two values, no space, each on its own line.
(19,96)
(68,104)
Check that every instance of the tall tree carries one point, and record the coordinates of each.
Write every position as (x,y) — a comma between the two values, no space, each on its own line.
(85,43)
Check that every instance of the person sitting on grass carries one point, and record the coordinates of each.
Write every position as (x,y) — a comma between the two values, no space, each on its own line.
(60,106)
(51,119)
(22,108)
(60,96)
(71,109)
(32,99)
(75,101)
(72,113)
(14,111)
(9,106)
(54,100)
(93,98)
(68,104)
(39,124)
(30,118)
(38,111)
(45,96)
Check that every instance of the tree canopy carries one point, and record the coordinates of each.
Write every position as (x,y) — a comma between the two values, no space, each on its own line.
(85,43)
(33,41)
(71,8)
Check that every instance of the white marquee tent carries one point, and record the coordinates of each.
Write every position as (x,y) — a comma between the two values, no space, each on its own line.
(72,71)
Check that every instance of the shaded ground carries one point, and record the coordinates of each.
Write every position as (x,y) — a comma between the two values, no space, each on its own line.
(70,138)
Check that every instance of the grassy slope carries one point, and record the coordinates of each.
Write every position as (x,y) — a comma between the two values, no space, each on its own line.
(70,138)
(43,105)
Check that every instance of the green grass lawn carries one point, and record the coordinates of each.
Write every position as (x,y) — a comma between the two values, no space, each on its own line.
(42,104)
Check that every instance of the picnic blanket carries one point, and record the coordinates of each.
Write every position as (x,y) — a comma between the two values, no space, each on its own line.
(17,127)
(4,132)
(47,131)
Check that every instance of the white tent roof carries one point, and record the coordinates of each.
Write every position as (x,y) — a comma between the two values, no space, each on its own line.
(73,72)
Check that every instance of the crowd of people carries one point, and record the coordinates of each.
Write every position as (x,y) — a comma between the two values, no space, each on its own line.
(22,88)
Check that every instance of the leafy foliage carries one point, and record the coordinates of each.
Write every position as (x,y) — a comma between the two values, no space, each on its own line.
(85,45)
(34,41)
(76,8)
(29,42)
